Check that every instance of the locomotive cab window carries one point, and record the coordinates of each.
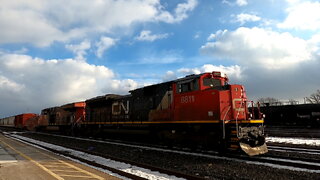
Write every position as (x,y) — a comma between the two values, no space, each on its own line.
(188,85)
(210,82)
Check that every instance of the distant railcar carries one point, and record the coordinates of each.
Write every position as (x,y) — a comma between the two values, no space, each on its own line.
(17,121)
(293,115)
(8,121)
(21,120)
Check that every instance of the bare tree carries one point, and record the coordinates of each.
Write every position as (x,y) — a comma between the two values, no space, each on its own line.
(314,98)
(269,101)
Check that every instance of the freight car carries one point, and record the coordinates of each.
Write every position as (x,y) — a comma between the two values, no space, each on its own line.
(302,115)
(198,109)
(22,119)
(8,121)
(18,121)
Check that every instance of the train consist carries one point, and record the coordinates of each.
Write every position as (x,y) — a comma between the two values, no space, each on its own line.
(198,109)
(303,115)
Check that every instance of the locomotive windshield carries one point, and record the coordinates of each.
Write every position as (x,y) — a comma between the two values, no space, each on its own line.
(208,81)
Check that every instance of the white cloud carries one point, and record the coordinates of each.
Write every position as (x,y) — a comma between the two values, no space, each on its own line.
(146,35)
(243,18)
(259,47)
(233,71)
(180,13)
(170,75)
(79,49)
(211,37)
(236,2)
(188,71)
(219,33)
(241,2)
(43,22)
(8,85)
(151,56)
(32,84)
(104,44)
(197,35)
(293,1)
(272,64)
(123,85)
(303,15)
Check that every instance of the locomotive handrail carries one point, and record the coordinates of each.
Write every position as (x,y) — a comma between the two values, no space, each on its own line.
(76,122)
(223,120)
(252,109)
(237,125)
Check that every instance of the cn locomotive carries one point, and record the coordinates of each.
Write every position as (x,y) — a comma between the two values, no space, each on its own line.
(198,109)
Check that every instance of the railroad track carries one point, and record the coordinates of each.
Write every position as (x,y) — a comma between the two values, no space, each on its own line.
(310,151)
(298,132)
(275,162)
(174,174)
(298,164)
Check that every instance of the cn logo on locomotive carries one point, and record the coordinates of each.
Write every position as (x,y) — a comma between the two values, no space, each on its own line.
(118,106)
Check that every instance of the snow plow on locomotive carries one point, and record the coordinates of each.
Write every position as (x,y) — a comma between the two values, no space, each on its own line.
(199,109)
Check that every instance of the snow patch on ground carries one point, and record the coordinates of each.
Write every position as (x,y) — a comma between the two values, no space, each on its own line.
(303,141)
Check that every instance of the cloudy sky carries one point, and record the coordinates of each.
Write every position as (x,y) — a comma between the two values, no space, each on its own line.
(56,52)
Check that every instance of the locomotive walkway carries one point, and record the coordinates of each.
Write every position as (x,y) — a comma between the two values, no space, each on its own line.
(21,161)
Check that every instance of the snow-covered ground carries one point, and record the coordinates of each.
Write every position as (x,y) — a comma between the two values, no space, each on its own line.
(287,140)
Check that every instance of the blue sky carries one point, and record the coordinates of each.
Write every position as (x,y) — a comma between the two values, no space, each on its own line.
(56,52)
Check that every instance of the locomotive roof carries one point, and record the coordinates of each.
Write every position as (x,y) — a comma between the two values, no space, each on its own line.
(105,97)
(73,105)
(191,76)
(116,96)
(188,77)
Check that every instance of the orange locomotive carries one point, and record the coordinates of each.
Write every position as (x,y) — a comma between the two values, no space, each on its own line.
(62,118)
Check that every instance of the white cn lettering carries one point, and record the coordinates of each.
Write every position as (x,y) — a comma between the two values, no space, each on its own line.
(117,106)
